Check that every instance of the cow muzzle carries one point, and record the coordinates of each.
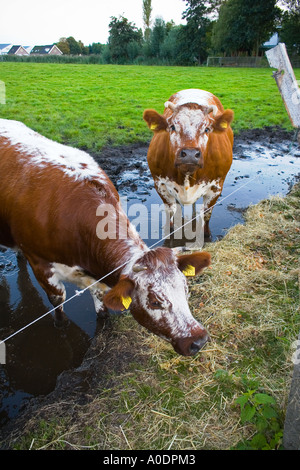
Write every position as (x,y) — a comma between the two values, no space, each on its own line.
(191,345)
(189,160)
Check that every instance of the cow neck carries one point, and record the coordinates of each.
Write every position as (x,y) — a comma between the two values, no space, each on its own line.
(184,179)
(121,252)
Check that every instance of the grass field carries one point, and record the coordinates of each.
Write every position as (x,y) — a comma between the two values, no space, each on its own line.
(91,106)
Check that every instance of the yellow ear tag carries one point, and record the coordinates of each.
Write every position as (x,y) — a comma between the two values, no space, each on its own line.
(224,125)
(153,127)
(126,301)
(189,270)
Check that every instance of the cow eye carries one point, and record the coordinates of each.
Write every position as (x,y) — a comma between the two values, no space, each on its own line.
(172,127)
(155,304)
(153,301)
(207,130)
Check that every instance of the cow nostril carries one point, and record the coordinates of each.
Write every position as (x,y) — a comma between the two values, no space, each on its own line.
(197,345)
(194,348)
(190,154)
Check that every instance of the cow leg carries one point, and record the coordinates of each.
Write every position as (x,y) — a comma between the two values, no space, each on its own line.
(170,210)
(53,287)
(60,318)
(194,212)
(97,295)
(78,276)
(208,203)
(170,205)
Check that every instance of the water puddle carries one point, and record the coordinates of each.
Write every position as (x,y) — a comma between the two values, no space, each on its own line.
(36,356)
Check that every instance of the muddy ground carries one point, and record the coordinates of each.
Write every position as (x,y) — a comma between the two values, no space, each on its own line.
(103,362)
(116,160)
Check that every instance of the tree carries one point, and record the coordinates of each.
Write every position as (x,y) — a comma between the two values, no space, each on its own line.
(147,10)
(83,49)
(96,48)
(243,25)
(63,46)
(193,42)
(290,27)
(157,36)
(169,49)
(75,47)
(292,5)
(71,46)
(228,34)
(194,37)
(200,8)
(121,34)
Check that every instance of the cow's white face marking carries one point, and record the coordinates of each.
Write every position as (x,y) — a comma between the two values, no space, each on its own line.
(163,297)
(44,152)
(188,122)
(194,95)
(189,128)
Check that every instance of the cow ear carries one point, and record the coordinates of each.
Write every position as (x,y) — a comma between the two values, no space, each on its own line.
(119,297)
(194,263)
(156,122)
(223,121)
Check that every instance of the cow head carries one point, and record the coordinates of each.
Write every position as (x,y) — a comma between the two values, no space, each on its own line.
(189,126)
(155,288)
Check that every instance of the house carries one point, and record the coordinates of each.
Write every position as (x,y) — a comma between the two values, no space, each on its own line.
(46,50)
(4,48)
(17,50)
(28,49)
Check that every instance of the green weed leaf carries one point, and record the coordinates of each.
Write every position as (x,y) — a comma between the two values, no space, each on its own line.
(247,413)
(241,401)
(263,398)
(269,412)
(259,442)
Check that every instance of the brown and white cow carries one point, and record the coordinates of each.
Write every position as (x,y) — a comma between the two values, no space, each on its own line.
(190,153)
(51,199)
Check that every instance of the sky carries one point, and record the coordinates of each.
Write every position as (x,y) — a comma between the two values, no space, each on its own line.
(35,22)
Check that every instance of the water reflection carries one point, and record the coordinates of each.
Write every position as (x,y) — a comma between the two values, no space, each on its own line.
(37,355)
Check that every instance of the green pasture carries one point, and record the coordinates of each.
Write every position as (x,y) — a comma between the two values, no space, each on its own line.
(91,106)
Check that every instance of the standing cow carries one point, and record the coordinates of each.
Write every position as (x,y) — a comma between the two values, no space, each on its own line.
(63,212)
(190,153)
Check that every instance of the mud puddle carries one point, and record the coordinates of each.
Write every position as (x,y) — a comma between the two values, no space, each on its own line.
(265,163)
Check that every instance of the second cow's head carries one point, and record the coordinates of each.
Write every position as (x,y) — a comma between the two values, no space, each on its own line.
(189,127)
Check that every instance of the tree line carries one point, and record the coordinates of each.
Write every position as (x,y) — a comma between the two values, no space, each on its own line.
(212,27)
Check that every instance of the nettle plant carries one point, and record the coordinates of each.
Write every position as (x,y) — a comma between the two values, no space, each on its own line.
(260,410)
